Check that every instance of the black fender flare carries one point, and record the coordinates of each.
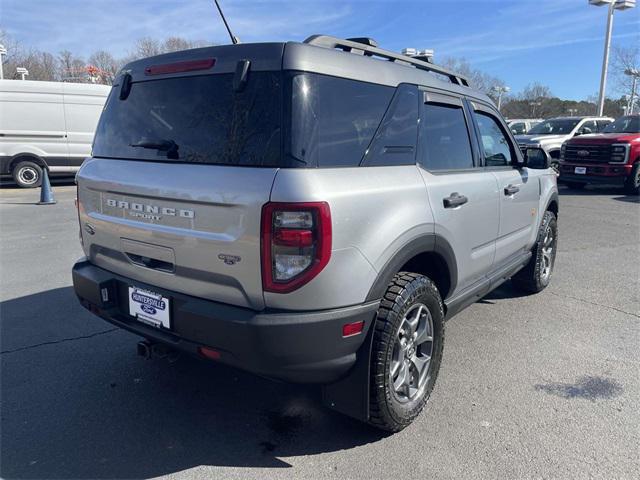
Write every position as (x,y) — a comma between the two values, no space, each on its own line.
(426,243)
(553,198)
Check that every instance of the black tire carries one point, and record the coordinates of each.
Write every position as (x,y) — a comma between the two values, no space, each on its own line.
(575,185)
(534,277)
(27,174)
(632,185)
(407,293)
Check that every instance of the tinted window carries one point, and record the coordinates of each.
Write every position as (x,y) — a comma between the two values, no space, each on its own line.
(602,124)
(630,124)
(518,128)
(195,119)
(443,132)
(395,141)
(560,126)
(589,127)
(333,119)
(495,145)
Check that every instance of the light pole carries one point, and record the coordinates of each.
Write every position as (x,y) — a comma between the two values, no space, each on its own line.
(500,90)
(533,106)
(3,51)
(635,73)
(613,5)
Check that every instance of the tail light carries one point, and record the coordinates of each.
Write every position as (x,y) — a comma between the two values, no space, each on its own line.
(296,244)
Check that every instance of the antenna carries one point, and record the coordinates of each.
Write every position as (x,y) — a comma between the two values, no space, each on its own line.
(235,40)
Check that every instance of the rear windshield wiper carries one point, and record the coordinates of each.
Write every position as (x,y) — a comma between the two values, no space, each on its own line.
(168,146)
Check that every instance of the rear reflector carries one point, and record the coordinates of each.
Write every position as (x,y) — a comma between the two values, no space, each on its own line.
(209,353)
(176,67)
(354,328)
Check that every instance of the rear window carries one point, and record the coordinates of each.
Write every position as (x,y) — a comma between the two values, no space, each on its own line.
(333,120)
(196,119)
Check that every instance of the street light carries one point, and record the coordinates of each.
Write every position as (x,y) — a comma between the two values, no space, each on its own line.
(613,5)
(500,90)
(635,73)
(23,72)
(533,105)
(3,51)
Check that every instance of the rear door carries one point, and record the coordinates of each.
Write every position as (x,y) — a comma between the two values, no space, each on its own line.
(463,197)
(518,189)
(180,171)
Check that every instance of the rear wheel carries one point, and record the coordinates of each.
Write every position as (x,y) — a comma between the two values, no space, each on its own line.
(632,185)
(407,350)
(27,174)
(575,185)
(537,274)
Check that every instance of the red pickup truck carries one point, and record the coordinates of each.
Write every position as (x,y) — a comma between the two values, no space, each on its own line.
(610,157)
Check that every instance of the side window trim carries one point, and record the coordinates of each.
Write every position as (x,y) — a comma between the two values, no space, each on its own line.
(433,96)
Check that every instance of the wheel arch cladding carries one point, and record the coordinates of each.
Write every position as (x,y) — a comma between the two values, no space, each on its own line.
(553,204)
(429,255)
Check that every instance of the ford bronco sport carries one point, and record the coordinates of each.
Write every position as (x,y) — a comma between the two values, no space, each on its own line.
(310,212)
(611,157)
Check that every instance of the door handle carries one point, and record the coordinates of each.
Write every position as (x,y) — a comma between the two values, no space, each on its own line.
(454,200)
(511,189)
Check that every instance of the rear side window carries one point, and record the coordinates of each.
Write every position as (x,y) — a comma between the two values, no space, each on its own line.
(495,145)
(197,119)
(395,141)
(444,134)
(333,120)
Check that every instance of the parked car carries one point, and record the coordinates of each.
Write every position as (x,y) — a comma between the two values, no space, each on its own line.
(46,125)
(611,157)
(549,135)
(521,126)
(309,213)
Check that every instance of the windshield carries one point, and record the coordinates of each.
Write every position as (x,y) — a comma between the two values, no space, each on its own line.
(629,124)
(197,119)
(555,127)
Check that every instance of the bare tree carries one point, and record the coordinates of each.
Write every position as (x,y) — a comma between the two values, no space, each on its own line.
(106,65)
(146,47)
(624,58)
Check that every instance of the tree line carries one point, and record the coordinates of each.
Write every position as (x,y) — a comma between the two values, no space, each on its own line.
(535,101)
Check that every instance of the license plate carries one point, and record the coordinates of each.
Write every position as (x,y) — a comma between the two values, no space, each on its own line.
(581,170)
(149,307)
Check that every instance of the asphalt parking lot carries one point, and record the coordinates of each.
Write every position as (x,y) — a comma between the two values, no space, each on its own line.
(544,386)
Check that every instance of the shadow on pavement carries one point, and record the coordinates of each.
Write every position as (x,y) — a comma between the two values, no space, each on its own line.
(78,403)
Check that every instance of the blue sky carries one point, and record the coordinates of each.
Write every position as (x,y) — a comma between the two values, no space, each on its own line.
(556,42)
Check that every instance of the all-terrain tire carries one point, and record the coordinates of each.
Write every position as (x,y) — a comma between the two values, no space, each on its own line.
(533,278)
(405,291)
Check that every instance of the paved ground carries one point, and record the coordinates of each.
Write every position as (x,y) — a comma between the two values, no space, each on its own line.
(546,386)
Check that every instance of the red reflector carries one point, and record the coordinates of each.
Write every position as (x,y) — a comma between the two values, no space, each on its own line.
(352,328)
(293,238)
(176,67)
(209,353)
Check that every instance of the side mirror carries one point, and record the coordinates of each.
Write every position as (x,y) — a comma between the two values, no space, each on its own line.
(536,158)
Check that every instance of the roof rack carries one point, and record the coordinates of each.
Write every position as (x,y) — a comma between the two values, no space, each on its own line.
(365,46)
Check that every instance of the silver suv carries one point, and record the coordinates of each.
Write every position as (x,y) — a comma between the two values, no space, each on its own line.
(311,212)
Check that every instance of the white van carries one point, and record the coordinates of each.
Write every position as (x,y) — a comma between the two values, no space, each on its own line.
(46,125)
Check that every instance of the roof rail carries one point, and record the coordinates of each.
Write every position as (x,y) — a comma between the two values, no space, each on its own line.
(361,48)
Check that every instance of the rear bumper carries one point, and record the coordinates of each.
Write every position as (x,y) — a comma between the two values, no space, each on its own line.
(301,347)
